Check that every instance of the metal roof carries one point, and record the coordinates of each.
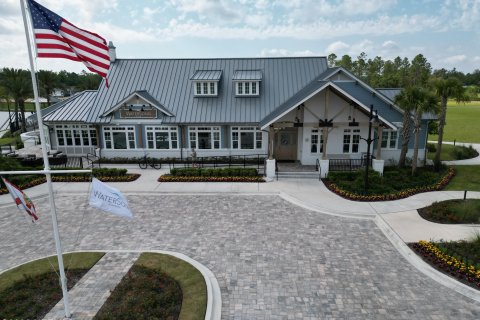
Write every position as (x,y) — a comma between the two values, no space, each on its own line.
(390,93)
(255,75)
(212,75)
(33,118)
(74,109)
(368,97)
(169,81)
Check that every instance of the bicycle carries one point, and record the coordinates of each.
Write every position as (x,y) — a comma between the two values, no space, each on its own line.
(145,162)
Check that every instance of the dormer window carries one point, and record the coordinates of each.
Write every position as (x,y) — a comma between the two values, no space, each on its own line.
(205,82)
(247,82)
(247,88)
(206,88)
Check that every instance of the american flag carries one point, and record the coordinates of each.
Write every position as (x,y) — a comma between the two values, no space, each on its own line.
(55,37)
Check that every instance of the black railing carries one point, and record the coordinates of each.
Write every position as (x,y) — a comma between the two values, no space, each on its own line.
(347,164)
(254,160)
(6,149)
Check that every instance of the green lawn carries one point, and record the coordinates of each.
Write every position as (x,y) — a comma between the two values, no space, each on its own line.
(31,290)
(28,106)
(450,152)
(462,122)
(466,178)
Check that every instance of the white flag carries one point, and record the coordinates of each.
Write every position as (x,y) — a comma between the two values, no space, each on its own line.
(109,199)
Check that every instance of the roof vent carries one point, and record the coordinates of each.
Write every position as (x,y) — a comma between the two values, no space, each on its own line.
(112,52)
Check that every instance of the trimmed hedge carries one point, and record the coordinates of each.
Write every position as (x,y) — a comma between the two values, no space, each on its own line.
(215,172)
(170,178)
(102,174)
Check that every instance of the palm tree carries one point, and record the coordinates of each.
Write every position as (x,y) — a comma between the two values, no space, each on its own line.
(47,81)
(19,86)
(405,100)
(445,89)
(427,102)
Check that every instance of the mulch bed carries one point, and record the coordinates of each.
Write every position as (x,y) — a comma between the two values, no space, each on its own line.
(170,178)
(446,266)
(35,182)
(394,196)
(34,297)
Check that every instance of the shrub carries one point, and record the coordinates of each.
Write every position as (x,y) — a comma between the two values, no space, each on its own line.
(431,147)
(461,152)
(452,211)
(10,164)
(214,172)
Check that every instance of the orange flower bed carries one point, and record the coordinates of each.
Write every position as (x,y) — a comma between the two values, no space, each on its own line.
(393,196)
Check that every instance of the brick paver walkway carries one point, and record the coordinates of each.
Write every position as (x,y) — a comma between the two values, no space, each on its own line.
(273,260)
(89,294)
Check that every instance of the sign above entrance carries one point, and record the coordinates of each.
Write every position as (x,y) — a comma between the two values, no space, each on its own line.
(138,114)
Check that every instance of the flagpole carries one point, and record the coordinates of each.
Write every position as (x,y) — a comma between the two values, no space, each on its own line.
(47,168)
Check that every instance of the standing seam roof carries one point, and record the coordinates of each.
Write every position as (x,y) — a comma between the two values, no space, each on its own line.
(168,81)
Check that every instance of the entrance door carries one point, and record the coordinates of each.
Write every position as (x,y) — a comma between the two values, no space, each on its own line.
(286,144)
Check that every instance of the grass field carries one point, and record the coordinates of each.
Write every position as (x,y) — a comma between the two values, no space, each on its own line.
(462,122)
(28,106)
(466,178)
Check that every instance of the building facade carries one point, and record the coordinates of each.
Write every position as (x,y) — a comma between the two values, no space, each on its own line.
(294,109)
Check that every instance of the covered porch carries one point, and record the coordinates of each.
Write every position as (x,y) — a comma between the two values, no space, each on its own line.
(328,124)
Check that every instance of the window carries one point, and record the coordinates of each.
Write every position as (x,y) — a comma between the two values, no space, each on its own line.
(119,137)
(316,141)
(247,88)
(389,139)
(76,135)
(351,140)
(205,88)
(246,138)
(204,137)
(162,137)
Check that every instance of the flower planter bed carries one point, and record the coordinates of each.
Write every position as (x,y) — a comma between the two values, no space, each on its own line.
(39,180)
(170,178)
(393,196)
(447,264)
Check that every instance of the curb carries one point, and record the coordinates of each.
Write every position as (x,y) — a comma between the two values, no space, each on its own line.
(421,265)
(214,297)
(298,202)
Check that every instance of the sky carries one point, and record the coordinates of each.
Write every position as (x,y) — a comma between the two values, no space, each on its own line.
(446,32)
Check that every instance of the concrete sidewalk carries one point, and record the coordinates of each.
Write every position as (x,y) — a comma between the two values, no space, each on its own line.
(401,214)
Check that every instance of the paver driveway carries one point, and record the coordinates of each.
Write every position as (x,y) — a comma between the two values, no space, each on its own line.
(272,259)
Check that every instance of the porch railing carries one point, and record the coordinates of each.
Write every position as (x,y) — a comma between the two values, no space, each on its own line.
(253,160)
(348,164)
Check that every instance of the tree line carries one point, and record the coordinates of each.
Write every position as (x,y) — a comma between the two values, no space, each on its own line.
(16,86)
(423,91)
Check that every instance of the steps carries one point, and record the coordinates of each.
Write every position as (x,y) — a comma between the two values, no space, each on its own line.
(298,175)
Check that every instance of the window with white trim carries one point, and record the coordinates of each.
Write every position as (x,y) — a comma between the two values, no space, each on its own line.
(389,139)
(205,88)
(78,135)
(316,141)
(162,137)
(247,88)
(204,137)
(119,137)
(351,140)
(246,138)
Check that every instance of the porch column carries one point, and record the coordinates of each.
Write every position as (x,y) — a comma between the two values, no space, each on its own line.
(325,128)
(271,137)
(379,143)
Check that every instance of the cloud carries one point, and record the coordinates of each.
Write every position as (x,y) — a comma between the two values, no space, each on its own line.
(337,47)
(220,10)
(455,59)
(285,53)
(311,10)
